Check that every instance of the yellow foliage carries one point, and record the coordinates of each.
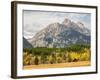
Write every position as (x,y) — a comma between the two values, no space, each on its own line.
(59,57)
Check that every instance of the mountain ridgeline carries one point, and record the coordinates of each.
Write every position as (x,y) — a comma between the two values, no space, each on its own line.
(60,35)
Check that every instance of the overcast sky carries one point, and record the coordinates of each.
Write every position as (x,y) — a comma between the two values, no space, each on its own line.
(33,21)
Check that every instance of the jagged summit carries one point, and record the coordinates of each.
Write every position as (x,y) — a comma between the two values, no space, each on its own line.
(66,21)
(80,24)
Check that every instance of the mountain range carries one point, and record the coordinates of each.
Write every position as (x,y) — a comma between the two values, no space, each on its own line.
(61,35)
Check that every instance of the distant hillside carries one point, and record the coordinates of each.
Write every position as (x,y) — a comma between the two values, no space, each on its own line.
(26,44)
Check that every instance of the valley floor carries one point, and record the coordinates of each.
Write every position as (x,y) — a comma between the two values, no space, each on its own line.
(60,65)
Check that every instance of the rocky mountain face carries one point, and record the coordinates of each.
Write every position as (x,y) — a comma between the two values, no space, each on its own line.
(61,35)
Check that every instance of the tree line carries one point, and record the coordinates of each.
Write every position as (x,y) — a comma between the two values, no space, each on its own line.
(43,55)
